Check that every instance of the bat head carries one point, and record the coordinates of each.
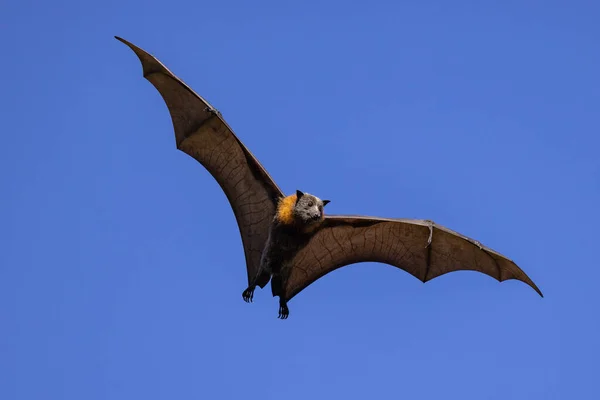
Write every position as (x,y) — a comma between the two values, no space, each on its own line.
(309,208)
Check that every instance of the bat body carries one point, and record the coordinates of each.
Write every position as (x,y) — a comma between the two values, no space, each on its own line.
(289,240)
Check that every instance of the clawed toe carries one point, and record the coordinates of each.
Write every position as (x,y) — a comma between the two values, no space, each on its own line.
(284,312)
(248,295)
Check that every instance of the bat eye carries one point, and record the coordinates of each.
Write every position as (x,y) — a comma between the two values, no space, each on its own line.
(310,204)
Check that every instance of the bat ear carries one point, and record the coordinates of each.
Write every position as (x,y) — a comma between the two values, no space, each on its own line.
(299,194)
(325,202)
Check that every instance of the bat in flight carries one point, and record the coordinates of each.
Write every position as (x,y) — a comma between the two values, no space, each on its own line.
(288,240)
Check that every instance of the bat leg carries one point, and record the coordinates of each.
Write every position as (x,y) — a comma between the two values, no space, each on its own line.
(248,294)
(261,280)
(277,285)
(284,311)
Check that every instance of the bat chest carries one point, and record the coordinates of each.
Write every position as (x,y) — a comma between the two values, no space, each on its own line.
(286,244)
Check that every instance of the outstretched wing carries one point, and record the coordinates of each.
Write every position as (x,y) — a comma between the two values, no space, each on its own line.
(201,132)
(422,248)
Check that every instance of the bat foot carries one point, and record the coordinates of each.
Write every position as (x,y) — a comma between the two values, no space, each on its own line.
(248,294)
(284,311)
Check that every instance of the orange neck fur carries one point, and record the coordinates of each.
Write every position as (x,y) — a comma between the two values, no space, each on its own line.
(285,209)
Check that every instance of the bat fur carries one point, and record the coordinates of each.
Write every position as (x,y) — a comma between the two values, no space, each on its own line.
(298,216)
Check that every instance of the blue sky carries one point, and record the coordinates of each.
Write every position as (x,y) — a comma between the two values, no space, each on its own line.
(122,268)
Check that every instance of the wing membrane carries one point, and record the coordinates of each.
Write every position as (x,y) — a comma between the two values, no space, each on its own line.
(202,133)
(422,248)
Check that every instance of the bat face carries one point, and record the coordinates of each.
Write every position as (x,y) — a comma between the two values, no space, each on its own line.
(309,208)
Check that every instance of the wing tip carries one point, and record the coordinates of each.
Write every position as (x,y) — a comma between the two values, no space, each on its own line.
(126,42)
(537,290)
(523,277)
(149,63)
(518,274)
(527,280)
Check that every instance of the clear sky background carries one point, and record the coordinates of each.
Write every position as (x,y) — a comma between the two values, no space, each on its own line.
(122,269)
